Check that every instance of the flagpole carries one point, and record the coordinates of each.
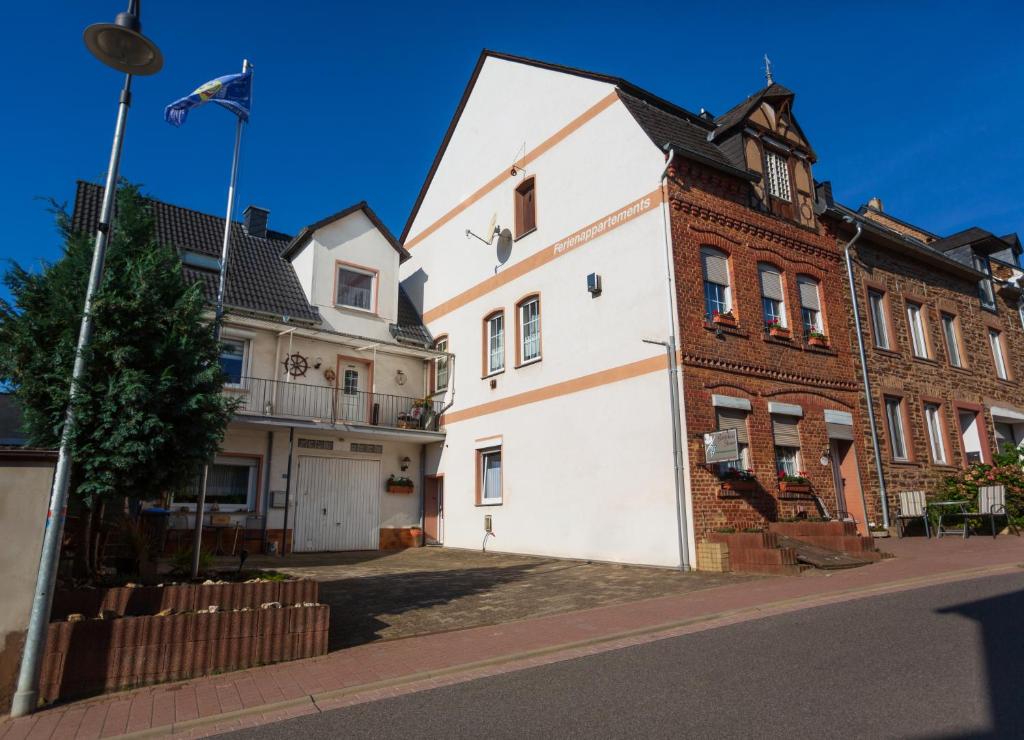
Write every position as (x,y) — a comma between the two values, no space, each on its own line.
(218,317)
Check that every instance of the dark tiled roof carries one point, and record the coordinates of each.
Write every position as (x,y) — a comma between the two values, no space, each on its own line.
(259,279)
(409,327)
(10,421)
(669,128)
(973,236)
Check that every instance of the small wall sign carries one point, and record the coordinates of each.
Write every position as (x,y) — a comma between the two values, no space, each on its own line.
(721,447)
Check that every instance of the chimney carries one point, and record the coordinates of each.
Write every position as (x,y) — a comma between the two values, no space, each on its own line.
(876,204)
(255,221)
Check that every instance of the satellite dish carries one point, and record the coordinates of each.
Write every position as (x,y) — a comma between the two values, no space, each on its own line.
(489,231)
(504,246)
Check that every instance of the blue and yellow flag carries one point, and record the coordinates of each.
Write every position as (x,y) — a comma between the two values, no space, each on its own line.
(234,92)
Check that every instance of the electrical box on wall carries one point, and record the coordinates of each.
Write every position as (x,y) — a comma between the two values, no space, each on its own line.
(594,284)
(488,524)
(277,499)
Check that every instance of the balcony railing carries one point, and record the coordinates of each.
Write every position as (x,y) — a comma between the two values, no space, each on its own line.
(330,404)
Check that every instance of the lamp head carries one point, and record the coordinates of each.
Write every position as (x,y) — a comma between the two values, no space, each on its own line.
(122,46)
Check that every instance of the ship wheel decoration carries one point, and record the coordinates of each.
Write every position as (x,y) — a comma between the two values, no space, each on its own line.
(295,365)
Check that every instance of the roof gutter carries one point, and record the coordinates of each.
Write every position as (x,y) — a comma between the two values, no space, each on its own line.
(872,424)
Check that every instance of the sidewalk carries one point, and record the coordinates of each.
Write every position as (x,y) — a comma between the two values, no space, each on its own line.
(270,693)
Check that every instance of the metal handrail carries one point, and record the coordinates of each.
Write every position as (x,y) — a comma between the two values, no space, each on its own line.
(333,404)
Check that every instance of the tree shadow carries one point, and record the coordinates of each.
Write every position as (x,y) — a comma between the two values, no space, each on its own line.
(1000,620)
(358,603)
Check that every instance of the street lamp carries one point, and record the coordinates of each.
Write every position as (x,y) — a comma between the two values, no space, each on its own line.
(122,46)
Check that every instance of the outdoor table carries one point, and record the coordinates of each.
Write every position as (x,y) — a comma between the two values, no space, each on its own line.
(961,511)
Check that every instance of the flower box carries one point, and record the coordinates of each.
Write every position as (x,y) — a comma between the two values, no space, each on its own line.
(399,489)
(780,332)
(788,487)
(818,341)
(739,485)
(724,319)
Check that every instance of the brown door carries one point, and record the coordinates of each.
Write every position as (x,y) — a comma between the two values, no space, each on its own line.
(849,496)
(433,510)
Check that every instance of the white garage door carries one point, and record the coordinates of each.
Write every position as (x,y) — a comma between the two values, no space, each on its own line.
(338,506)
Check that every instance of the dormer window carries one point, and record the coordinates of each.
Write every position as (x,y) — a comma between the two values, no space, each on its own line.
(777,169)
(355,287)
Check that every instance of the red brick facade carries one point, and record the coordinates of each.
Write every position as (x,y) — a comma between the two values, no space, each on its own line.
(745,362)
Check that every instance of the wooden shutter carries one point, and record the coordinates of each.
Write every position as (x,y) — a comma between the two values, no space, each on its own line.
(716,266)
(771,282)
(786,430)
(809,294)
(734,419)
(526,207)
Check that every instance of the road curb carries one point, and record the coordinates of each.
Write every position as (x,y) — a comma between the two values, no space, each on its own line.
(572,649)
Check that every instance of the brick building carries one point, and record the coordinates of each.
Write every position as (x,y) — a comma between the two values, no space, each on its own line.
(941,321)
(763,334)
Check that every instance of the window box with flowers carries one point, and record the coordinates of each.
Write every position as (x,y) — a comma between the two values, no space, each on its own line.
(737,480)
(817,339)
(794,483)
(723,318)
(776,329)
(399,485)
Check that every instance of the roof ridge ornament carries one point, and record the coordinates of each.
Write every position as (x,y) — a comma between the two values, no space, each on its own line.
(768,71)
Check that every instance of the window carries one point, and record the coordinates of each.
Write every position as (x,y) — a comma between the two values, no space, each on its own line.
(810,304)
(951,331)
(489,462)
(529,330)
(494,326)
(936,439)
(355,288)
(232,360)
(778,176)
(526,207)
(1020,312)
(918,338)
(441,365)
(773,300)
(995,341)
(897,432)
(986,293)
(231,485)
(786,431)
(735,419)
(970,436)
(350,383)
(717,296)
(879,324)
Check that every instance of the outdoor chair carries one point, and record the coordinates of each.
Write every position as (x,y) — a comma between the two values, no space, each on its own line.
(913,505)
(992,503)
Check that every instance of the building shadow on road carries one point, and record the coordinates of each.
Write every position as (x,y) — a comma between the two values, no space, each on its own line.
(1001,619)
(361,606)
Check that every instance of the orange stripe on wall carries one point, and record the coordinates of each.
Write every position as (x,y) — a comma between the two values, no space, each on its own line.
(570,243)
(495,181)
(585,382)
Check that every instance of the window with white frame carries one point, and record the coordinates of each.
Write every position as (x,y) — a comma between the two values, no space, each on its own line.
(490,476)
(773,299)
(495,342)
(735,419)
(810,305)
(786,433)
(936,439)
(918,338)
(529,330)
(897,432)
(441,365)
(950,331)
(232,360)
(879,323)
(778,176)
(231,485)
(995,341)
(355,288)
(717,294)
(986,292)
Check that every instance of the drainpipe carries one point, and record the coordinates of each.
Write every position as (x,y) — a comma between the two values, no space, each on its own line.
(864,374)
(675,381)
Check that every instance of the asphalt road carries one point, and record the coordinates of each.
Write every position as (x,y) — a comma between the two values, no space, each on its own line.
(945,661)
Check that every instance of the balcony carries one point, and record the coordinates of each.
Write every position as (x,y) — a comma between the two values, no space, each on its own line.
(330,405)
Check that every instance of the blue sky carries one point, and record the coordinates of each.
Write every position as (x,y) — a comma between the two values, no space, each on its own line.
(918,103)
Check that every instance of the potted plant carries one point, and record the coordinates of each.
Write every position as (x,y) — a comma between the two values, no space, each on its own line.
(816,339)
(399,485)
(735,479)
(723,318)
(794,483)
(776,329)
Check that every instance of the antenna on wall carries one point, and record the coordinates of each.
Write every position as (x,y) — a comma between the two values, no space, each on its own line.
(520,157)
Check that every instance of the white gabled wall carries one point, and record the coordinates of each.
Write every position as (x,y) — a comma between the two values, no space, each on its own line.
(587,474)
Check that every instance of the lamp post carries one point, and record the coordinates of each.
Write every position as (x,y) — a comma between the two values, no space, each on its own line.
(122,46)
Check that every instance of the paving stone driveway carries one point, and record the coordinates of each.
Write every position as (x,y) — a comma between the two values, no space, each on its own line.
(391,594)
